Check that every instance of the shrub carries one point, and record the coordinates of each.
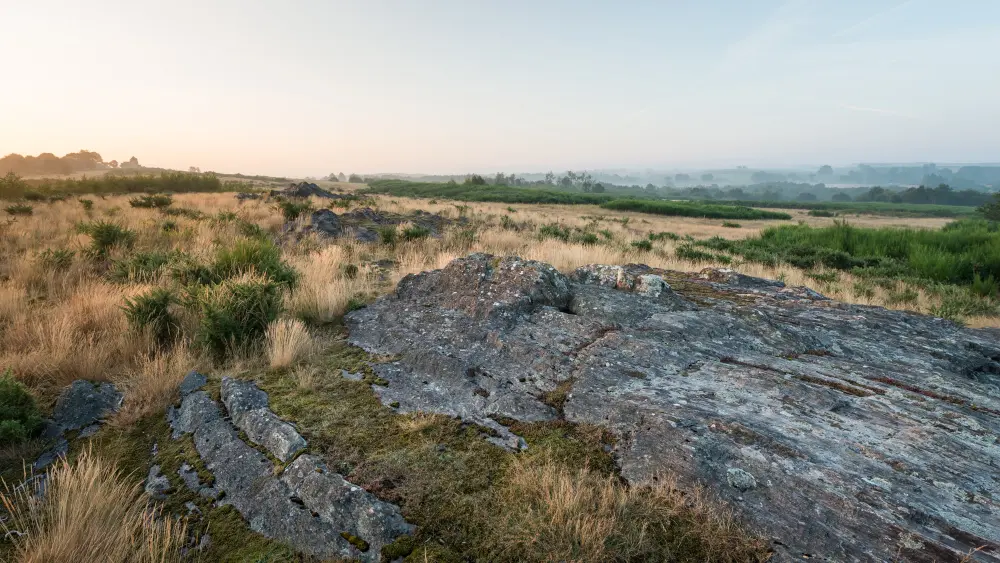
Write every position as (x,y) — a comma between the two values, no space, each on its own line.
(155,201)
(253,255)
(415,232)
(105,236)
(687,252)
(19,209)
(168,226)
(554,230)
(731,225)
(664,236)
(57,260)
(87,204)
(693,209)
(608,235)
(387,234)
(293,210)
(12,186)
(151,311)
(33,196)
(587,238)
(19,416)
(235,314)
(141,267)
(821,213)
(183,212)
(985,287)
(507,223)
(643,245)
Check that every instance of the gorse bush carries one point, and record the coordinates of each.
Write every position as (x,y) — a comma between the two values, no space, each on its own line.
(105,236)
(12,186)
(19,415)
(643,245)
(387,234)
(183,212)
(156,201)
(292,210)
(235,314)
(140,267)
(151,311)
(415,232)
(120,183)
(821,213)
(259,256)
(87,204)
(56,260)
(19,209)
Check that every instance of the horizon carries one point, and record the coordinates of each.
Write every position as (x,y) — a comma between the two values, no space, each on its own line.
(305,89)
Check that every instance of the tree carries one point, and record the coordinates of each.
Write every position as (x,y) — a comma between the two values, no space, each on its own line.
(12,186)
(113,164)
(681,178)
(134,161)
(706,177)
(991,210)
(841,197)
(598,188)
(825,170)
(342,177)
(355,179)
(194,170)
(475,180)
(550,178)
(806,196)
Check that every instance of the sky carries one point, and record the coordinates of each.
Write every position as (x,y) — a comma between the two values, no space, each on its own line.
(314,87)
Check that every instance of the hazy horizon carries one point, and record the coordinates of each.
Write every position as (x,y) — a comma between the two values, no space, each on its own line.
(308,88)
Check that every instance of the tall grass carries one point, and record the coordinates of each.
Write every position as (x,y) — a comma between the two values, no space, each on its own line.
(88,512)
(693,209)
(961,253)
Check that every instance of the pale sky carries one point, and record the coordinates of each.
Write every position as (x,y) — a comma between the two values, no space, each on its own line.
(312,87)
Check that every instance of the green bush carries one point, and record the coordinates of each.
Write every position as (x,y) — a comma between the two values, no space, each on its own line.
(155,201)
(234,314)
(292,210)
(105,236)
(692,209)
(586,238)
(183,212)
(12,186)
(253,255)
(821,213)
(664,236)
(34,196)
(87,204)
(151,311)
(387,234)
(57,260)
(554,230)
(415,232)
(140,267)
(19,209)
(19,415)
(731,225)
(688,252)
(643,245)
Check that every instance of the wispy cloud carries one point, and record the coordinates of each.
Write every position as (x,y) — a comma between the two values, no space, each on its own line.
(861,25)
(770,34)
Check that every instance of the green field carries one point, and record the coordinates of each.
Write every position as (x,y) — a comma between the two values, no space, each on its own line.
(13,188)
(693,209)
(498,194)
(867,208)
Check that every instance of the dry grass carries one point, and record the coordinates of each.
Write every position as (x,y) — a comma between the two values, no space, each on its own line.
(551,513)
(152,385)
(288,342)
(90,512)
(326,287)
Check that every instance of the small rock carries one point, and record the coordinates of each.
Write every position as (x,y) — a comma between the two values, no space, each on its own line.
(351,376)
(326,223)
(157,484)
(84,403)
(740,479)
(193,381)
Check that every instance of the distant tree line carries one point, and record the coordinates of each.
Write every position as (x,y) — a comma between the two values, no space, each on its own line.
(48,163)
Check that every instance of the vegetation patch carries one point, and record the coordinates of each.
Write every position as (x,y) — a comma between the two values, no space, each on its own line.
(693,209)
(20,419)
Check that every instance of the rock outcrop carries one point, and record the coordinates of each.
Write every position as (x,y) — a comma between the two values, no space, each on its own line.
(81,406)
(305,189)
(841,432)
(305,505)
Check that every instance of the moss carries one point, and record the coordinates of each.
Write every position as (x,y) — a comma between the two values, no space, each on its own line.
(357,542)
(556,398)
(402,547)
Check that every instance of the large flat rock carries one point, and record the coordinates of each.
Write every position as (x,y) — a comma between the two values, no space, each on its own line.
(842,432)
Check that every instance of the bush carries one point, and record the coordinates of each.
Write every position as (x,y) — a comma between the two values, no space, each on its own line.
(731,225)
(19,416)
(387,234)
(664,236)
(156,201)
(141,267)
(587,238)
(554,230)
(693,209)
(151,311)
(821,213)
(105,236)
(87,204)
(12,186)
(643,245)
(259,256)
(183,212)
(415,232)
(235,314)
(687,252)
(19,209)
(292,210)
(57,260)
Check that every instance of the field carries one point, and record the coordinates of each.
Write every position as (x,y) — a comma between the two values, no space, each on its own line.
(868,208)
(138,291)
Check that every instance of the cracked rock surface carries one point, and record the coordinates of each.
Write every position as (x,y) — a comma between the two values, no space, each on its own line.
(841,432)
(305,505)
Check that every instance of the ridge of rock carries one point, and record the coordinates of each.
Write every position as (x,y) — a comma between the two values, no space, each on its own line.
(843,432)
